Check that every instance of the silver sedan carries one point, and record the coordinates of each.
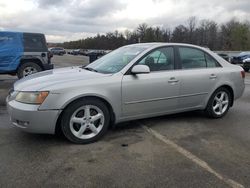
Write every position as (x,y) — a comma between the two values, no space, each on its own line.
(133,82)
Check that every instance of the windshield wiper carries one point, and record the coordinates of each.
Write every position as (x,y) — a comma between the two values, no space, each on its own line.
(90,69)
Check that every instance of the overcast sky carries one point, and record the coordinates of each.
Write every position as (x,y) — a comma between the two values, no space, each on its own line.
(65,20)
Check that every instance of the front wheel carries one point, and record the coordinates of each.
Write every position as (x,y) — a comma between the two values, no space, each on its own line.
(219,103)
(85,121)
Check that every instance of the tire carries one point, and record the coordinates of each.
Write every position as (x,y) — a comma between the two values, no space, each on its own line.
(29,68)
(80,125)
(218,105)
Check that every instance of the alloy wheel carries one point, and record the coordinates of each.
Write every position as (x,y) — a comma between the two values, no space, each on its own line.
(220,103)
(87,121)
(28,71)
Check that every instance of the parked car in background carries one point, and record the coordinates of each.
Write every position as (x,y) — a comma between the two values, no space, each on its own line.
(95,54)
(83,52)
(23,53)
(240,57)
(69,51)
(133,82)
(74,52)
(57,51)
(87,52)
(224,56)
(246,64)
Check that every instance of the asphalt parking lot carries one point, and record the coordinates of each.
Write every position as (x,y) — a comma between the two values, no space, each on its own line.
(182,150)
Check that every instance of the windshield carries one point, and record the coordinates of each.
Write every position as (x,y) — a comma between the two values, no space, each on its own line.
(116,60)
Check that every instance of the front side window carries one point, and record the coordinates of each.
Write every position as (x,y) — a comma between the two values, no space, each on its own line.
(191,58)
(160,59)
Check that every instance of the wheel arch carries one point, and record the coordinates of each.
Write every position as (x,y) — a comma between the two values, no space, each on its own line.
(229,88)
(106,102)
(33,60)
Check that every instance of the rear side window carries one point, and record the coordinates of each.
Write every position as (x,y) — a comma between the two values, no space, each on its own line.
(211,62)
(34,42)
(191,58)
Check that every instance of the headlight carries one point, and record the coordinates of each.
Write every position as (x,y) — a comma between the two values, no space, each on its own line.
(32,97)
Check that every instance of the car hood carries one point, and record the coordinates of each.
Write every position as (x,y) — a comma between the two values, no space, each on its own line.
(41,80)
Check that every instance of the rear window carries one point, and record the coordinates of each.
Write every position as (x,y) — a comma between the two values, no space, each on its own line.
(34,42)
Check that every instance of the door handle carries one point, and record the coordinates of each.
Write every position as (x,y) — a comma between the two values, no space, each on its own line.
(173,80)
(212,76)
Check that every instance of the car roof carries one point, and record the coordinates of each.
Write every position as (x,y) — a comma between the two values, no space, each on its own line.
(159,44)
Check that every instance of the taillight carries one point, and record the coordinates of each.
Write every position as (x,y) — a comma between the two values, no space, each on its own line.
(242,74)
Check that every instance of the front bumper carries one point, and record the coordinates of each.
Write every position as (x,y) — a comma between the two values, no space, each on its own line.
(29,118)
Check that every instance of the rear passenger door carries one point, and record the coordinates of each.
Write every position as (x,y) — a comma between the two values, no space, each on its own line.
(198,75)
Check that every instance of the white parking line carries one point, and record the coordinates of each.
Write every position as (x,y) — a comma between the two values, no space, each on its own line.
(193,158)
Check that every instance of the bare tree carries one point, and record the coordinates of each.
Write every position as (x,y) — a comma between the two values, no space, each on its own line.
(191,26)
(142,28)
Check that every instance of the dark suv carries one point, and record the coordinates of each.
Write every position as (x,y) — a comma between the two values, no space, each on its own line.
(23,53)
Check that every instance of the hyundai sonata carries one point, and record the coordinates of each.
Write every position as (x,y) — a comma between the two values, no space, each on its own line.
(133,82)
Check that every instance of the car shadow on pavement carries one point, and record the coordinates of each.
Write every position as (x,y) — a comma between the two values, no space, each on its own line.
(126,132)
(42,138)
(184,116)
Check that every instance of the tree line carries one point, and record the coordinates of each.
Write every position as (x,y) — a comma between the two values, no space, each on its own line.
(232,35)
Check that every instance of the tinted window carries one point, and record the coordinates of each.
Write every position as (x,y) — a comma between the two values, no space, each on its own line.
(211,61)
(160,59)
(34,42)
(192,58)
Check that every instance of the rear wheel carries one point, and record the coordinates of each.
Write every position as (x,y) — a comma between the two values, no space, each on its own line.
(219,103)
(28,68)
(85,121)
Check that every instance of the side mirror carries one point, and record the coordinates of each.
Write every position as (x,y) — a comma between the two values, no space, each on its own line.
(140,69)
